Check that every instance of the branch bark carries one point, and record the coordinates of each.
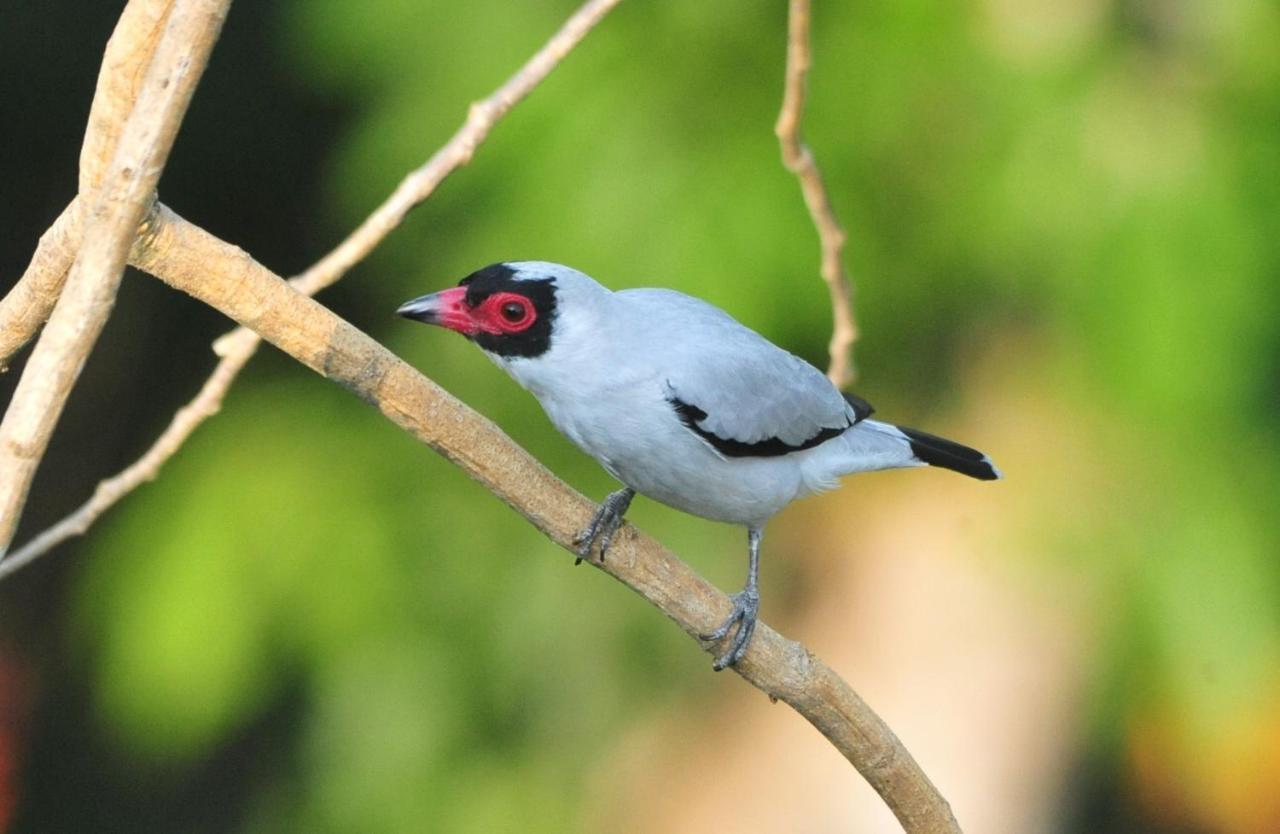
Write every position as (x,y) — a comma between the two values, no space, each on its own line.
(27,306)
(799,159)
(226,278)
(117,208)
(237,347)
(124,63)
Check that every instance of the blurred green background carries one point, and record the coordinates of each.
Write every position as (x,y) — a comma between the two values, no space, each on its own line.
(1064,226)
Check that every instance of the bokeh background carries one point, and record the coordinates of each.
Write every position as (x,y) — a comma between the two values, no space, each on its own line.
(1064,225)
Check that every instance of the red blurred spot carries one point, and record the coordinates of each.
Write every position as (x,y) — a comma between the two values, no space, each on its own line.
(13,707)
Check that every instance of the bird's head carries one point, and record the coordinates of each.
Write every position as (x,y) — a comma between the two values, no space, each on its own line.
(512,310)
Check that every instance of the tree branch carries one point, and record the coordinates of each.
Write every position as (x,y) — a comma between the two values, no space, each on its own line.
(224,277)
(27,306)
(237,347)
(798,159)
(118,207)
(124,63)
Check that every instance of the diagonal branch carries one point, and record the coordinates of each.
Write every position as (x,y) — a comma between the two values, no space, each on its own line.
(798,159)
(481,118)
(124,63)
(28,304)
(224,277)
(237,347)
(127,189)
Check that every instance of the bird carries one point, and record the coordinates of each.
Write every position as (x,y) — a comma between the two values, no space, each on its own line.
(680,403)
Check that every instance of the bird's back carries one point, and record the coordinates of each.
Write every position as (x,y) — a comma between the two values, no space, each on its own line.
(749,388)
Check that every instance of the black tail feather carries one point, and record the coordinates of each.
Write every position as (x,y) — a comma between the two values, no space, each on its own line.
(947,454)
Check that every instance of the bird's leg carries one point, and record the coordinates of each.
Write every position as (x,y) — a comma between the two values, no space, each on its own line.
(604,523)
(746,603)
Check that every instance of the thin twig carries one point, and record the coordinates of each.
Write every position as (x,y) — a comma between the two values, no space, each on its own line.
(481,118)
(798,159)
(224,277)
(119,206)
(124,63)
(237,347)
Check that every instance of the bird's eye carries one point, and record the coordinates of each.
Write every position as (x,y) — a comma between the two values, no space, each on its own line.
(508,312)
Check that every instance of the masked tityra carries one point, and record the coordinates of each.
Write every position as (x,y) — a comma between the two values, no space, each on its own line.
(680,402)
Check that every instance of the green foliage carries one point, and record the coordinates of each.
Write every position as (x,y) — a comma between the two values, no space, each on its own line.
(313,546)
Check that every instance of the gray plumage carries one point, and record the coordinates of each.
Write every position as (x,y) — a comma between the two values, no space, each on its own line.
(680,402)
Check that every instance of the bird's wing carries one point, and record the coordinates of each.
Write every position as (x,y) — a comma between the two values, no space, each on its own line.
(738,391)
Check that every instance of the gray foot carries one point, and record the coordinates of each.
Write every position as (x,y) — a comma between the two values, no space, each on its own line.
(604,524)
(746,604)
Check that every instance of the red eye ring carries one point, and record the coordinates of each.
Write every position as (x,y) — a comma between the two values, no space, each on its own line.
(507,312)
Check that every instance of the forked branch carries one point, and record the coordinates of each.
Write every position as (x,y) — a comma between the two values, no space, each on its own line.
(112,216)
(124,63)
(236,348)
(28,304)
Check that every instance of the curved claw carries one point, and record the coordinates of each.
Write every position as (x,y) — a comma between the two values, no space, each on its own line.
(604,524)
(746,605)
(601,529)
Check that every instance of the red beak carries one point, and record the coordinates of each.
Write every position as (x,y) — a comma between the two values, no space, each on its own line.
(446,308)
